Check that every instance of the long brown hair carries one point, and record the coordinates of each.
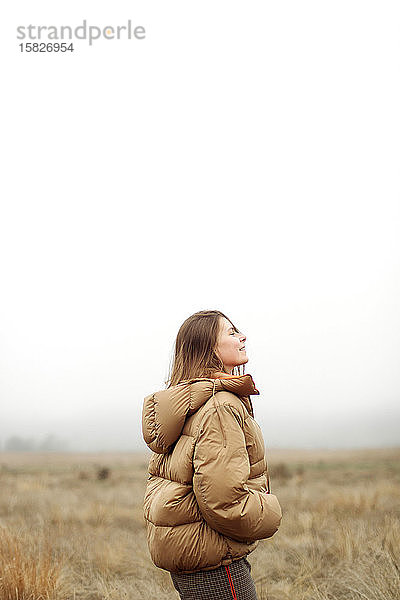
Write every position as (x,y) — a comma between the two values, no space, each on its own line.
(194,350)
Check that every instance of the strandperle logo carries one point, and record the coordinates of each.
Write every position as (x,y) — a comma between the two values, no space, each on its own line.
(81,32)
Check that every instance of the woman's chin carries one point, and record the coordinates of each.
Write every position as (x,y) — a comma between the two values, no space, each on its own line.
(244,360)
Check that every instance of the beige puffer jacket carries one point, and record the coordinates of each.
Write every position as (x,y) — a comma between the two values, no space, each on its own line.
(206,502)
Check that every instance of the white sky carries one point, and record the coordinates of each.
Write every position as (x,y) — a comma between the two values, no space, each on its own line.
(244,157)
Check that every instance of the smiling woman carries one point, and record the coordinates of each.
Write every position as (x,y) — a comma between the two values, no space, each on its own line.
(207,342)
(208,500)
(230,346)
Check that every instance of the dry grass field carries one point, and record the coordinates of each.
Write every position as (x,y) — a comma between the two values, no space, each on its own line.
(67,533)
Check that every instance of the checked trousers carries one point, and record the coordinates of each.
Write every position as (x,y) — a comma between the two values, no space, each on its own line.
(231,582)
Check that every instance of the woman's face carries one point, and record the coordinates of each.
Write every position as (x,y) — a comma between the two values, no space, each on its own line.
(230,346)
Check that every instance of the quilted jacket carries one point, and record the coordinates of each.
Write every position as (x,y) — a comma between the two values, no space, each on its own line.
(207,499)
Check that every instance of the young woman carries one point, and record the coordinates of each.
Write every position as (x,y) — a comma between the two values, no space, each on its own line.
(207,500)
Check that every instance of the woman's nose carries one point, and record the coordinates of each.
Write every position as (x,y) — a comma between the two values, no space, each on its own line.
(242,337)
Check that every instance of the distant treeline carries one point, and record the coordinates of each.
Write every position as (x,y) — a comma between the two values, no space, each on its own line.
(50,443)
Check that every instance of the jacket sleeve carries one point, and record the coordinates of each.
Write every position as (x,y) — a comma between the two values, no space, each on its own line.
(221,471)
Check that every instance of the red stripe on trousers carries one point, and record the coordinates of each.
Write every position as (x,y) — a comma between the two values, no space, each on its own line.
(231,583)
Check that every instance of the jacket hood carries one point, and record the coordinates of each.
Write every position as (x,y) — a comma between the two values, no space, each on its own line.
(164,412)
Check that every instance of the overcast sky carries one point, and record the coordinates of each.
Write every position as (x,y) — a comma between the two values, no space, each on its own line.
(242,157)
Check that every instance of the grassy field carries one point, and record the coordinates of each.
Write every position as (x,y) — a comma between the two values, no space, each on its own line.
(70,529)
